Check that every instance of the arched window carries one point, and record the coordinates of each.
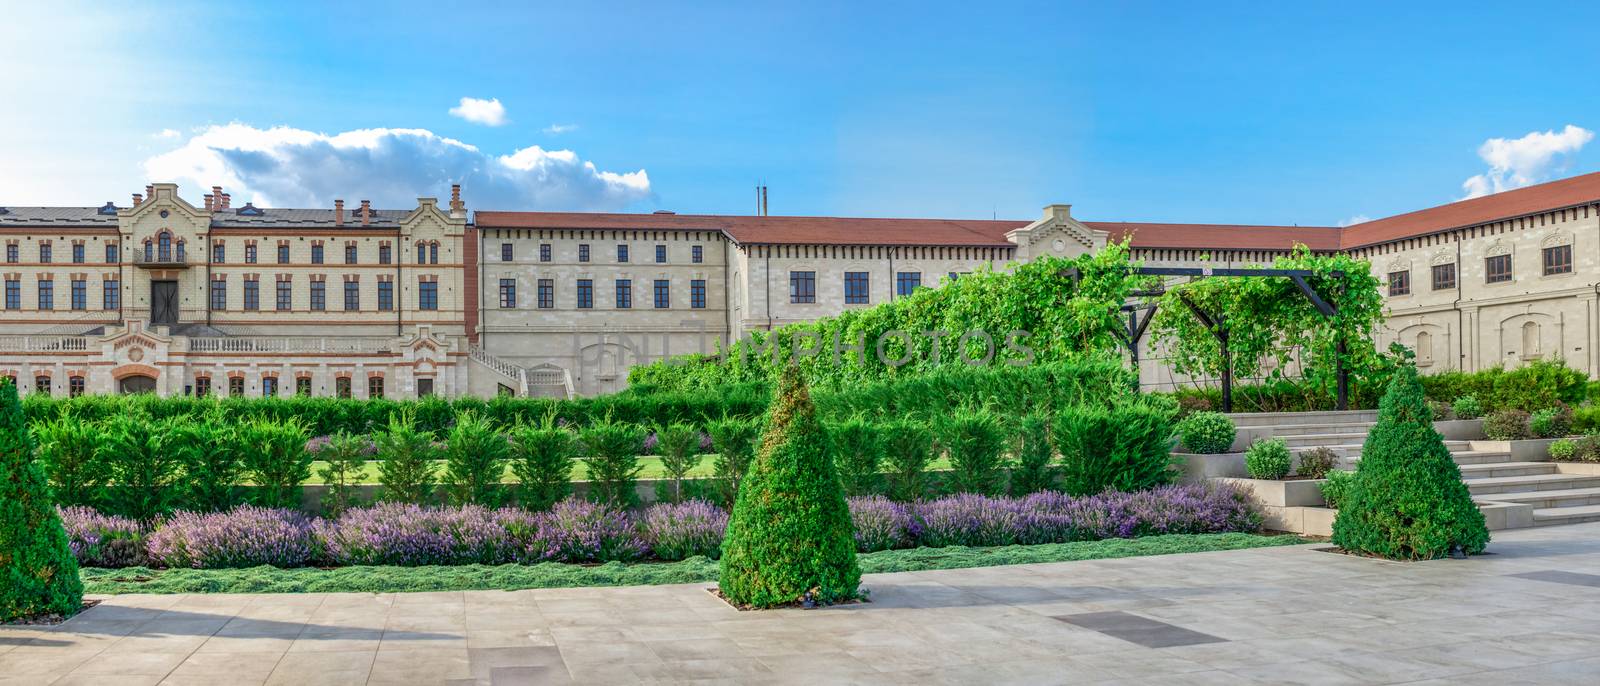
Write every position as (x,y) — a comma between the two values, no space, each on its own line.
(1530,340)
(149,254)
(433,252)
(422,253)
(1424,349)
(164,247)
(181,252)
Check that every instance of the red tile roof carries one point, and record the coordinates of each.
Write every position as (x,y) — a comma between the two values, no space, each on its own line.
(1221,236)
(776,230)
(1578,190)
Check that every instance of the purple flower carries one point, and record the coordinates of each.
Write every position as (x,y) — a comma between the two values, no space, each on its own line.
(99,540)
(581,531)
(412,535)
(882,524)
(686,529)
(246,536)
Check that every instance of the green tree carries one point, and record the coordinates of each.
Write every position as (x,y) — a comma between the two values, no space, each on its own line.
(68,451)
(908,449)
(275,461)
(344,465)
(1127,447)
(213,454)
(1407,501)
(542,457)
(678,445)
(976,447)
(734,440)
(407,460)
(613,461)
(858,455)
(790,538)
(1034,471)
(475,462)
(37,571)
(144,470)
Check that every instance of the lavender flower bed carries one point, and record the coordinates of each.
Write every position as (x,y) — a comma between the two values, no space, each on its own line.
(99,540)
(583,532)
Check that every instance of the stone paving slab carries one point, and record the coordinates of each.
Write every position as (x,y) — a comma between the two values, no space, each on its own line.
(1527,614)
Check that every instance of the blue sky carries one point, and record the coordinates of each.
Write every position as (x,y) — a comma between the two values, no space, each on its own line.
(1309,113)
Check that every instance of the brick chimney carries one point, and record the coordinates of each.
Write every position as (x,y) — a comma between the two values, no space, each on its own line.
(137,199)
(338,213)
(366,212)
(208,202)
(150,191)
(226,200)
(455,197)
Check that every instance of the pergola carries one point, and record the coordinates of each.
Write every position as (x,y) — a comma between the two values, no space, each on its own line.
(1140,314)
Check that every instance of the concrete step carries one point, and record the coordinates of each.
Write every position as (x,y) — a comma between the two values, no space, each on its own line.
(1314,440)
(1487,487)
(1302,429)
(1573,497)
(1253,419)
(1474,457)
(1470,472)
(1551,516)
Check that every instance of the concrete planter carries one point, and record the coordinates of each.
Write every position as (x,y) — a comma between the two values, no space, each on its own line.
(1198,467)
(1529,450)
(1270,493)
(1460,429)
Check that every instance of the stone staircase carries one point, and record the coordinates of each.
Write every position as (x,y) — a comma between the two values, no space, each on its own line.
(1513,491)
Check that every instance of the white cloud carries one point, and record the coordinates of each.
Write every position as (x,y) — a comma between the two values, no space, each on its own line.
(556,129)
(1358,219)
(1525,161)
(479,111)
(167,133)
(288,167)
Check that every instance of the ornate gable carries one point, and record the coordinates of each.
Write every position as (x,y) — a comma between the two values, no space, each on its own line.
(1057,234)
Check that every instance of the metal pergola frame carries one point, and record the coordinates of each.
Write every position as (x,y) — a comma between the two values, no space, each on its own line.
(1217,322)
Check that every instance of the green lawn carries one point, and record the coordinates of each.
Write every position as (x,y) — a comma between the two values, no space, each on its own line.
(560,575)
(651,469)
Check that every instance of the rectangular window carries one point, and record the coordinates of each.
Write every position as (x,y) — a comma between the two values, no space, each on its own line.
(624,293)
(433,253)
(385,254)
(219,253)
(697,294)
(80,294)
(1444,276)
(283,253)
(249,253)
(77,253)
(44,253)
(663,294)
(350,253)
(697,254)
(285,295)
(319,295)
(13,294)
(302,386)
(547,293)
(622,253)
(74,386)
(424,387)
(583,252)
(386,295)
(316,254)
(585,293)
(202,387)
(341,387)
(236,387)
(1399,283)
(352,296)
(508,293)
(428,295)
(661,254)
(12,255)
(219,294)
(422,253)
(375,387)
(111,253)
(1558,260)
(47,295)
(1497,269)
(269,386)
(506,253)
(544,252)
(906,282)
(855,288)
(802,287)
(252,295)
(111,294)
(41,384)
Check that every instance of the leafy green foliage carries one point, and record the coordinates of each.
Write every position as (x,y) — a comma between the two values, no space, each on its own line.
(1408,501)
(1551,422)
(1206,432)
(613,449)
(1586,418)
(1033,471)
(975,445)
(908,450)
(344,459)
(276,461)
(542,457)
(1268,458)
(1584,449)
(735,443)
(1507,425)
(1126,447)
(679,448)
(858,455)
(38,574)
(406,460)
(1467,407)
(213,457)
(1337,485)
(1531,387)
(143,468)
(790,537)
(1317,462)
(475,462)
(1563,450)
(68,451)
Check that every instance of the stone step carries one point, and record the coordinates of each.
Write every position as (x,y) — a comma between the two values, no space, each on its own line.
(1314,440)
(1255,419)
(1551,516)
(1471,472)
(1573,497)
(1483,488)
(1302,429)
(1474,457)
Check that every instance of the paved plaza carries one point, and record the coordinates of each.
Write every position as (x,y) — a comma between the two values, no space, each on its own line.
(1528,613)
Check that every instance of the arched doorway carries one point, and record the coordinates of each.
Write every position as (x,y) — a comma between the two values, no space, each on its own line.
(136,383)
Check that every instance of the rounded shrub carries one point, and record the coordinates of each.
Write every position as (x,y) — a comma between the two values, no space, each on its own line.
(1317,462)
(1127,447)
(1337,485)
(1563,450)
(1206,432)
(1407,500)
(1551,422)
(790,537)
(1442,411)
(1467,407)
(37,572)
(1268,458)
(1506,425)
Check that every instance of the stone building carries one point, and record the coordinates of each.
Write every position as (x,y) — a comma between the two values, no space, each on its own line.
(165,296)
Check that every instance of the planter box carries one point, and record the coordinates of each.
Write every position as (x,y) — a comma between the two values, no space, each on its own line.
(1529,450)
(1460,429)
(1584,468)
(1198,467)
(1269,493)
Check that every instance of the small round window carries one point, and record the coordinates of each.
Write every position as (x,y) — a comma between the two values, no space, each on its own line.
(163,214)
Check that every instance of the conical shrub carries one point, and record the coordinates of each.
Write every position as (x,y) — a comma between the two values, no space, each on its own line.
(1407,501)
(38,574)
(790,538)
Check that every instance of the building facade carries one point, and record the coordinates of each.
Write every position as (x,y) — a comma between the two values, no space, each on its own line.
(174,298)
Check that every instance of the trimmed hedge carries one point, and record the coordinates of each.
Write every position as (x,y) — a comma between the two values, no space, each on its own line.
(38,574)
